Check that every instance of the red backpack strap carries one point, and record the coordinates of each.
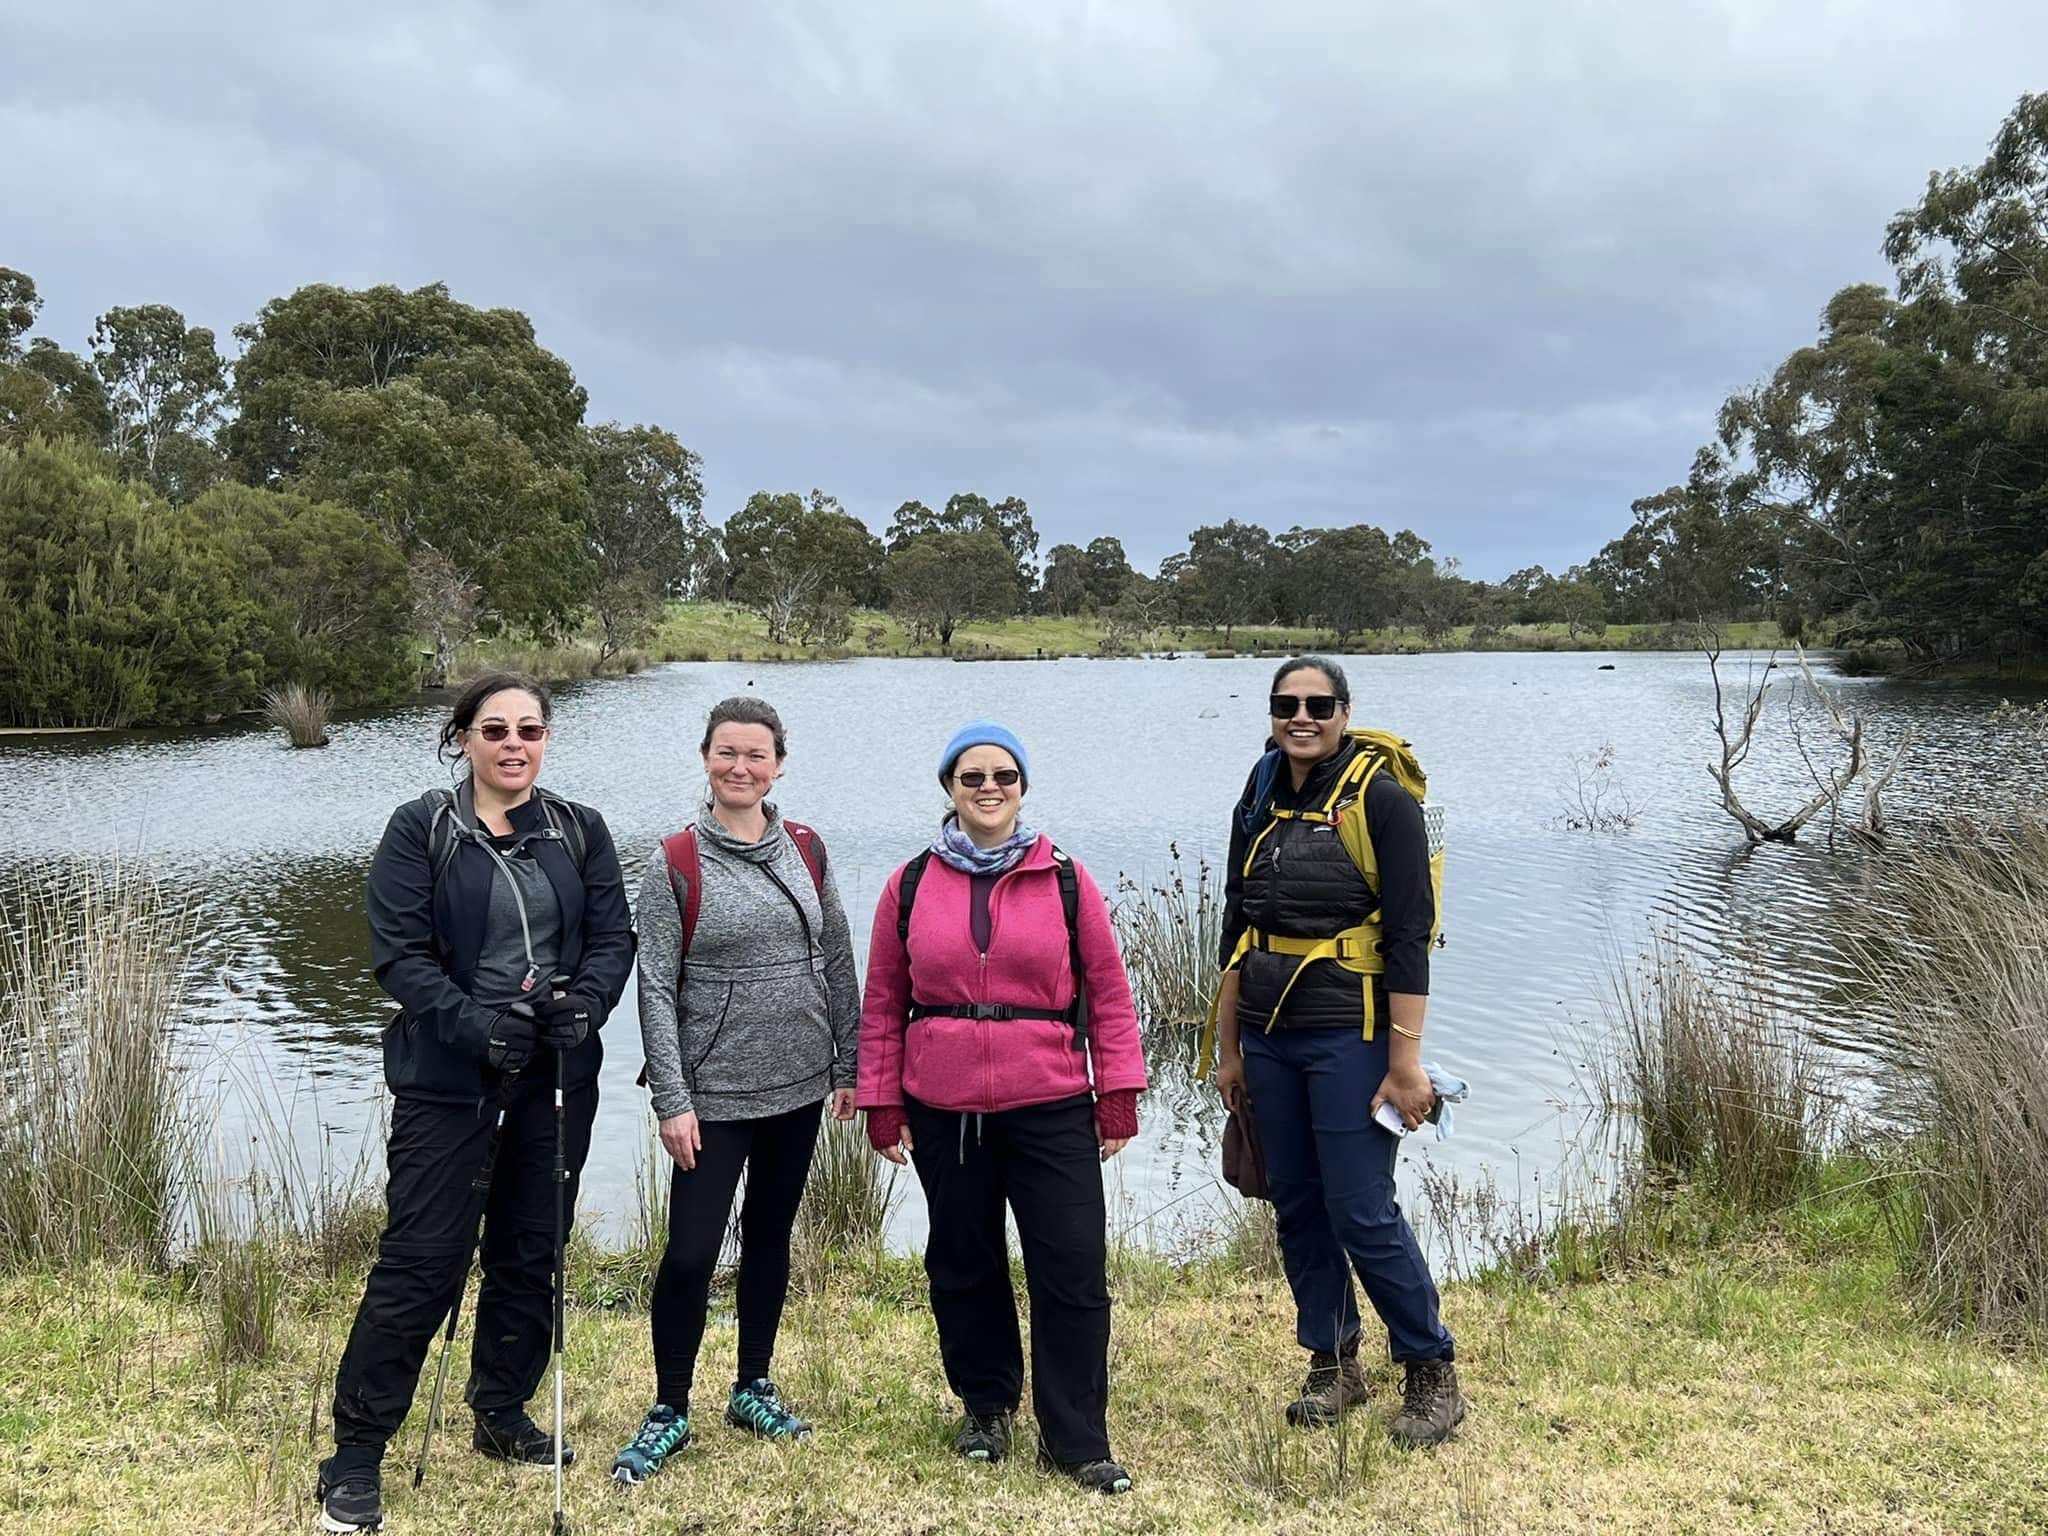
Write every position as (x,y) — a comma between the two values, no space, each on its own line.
(812,847)
(684,863)
(680,848)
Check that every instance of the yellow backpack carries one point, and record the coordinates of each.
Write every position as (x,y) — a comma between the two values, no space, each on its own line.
(1356,949)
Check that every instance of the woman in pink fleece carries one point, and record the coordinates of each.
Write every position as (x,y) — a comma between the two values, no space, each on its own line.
(984,1012)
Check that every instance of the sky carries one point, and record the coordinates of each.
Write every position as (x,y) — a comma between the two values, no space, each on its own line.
(1482,269)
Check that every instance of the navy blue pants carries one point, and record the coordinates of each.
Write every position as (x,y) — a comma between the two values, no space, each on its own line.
(1331,1173)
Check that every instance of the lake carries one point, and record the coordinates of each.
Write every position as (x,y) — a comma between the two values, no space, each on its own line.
(1129,759)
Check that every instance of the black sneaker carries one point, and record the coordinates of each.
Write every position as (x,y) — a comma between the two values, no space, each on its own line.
(351,1499)
(1103,1476)
(984,1439)
(514,1436)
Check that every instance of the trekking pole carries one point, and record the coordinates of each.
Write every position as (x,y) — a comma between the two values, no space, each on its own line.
(561,1193)
(481,1184)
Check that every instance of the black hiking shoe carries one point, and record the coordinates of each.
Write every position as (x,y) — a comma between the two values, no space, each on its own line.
(350,1498)
(1334,1383)
(984,1439)
(1431,1405)
(1103,1476)
(513,1436)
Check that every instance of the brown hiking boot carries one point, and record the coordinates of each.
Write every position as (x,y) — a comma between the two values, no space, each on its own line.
(1431,1405)
(1334,1383)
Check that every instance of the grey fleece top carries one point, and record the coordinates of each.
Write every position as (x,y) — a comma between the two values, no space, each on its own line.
(768,1009)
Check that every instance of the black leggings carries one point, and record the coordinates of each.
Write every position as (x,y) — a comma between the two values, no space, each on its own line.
(776,1153)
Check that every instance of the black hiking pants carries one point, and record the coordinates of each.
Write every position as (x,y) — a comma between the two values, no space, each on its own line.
(775,1151)
(1044,1161)
(430,1232)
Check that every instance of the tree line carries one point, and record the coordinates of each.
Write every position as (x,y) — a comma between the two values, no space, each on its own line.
(380,475)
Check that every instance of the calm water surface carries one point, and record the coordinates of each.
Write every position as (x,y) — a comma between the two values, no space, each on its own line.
(1129,758)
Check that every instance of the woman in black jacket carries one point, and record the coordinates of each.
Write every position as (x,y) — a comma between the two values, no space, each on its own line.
(1323,1048)
(498,922)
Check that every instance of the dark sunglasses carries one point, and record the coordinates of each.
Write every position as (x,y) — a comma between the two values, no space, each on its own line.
(498,730)
(1320,706)
(974,778)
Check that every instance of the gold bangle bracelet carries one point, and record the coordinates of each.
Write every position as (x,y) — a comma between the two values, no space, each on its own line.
(1412,1034)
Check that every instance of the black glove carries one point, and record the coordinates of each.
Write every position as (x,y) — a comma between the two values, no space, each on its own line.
(565,1017)
(513,1035)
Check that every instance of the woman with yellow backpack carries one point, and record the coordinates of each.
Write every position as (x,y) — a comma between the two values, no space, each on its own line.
(1331,898)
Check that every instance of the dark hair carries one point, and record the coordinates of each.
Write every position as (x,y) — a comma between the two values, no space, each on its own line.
(1322,664)
(462,714)
(745,709)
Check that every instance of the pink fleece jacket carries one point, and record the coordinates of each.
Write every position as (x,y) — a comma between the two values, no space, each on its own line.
(985,1065)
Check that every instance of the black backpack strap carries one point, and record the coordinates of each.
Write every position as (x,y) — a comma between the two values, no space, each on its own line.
(1070,905)
(906,894)
(568,823)
(441,839)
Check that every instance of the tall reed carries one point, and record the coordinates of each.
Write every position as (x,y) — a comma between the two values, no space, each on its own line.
(1716,1085)
(845,1204)
(91,984)
(1964,983)
(300,712)
(1170,932)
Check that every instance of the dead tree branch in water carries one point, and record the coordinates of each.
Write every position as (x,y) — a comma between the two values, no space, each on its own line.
(1829,787)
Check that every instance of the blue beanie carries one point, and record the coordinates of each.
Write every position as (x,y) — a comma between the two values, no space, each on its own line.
(984,733)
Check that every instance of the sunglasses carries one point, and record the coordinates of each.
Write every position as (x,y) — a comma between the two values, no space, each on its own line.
(498,730)
(974,778)
(1320,706)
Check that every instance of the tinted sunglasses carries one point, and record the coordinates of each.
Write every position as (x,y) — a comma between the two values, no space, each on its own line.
(498,730)
(974,778)
(1320,706)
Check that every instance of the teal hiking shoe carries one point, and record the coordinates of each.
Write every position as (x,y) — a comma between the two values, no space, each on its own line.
(757,1407)
(663,1433)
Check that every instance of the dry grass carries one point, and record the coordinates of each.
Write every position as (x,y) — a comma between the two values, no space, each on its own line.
(300,712)
(90,984)
(1741,1392)
(1966,994)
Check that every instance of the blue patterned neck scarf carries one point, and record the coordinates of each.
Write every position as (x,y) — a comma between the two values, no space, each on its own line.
(958,849)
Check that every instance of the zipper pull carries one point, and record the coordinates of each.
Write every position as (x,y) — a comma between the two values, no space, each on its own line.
(526,982)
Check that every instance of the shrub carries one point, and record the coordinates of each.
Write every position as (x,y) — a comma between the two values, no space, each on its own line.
(331,593)
(115,609)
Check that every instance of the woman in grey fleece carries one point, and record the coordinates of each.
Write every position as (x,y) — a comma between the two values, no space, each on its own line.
(745,1038)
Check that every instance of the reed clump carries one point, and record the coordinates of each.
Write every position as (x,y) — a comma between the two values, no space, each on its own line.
(1717,1088)
(1170,931)
(91,983)
(845,1205)
(300,712)
(1964,985)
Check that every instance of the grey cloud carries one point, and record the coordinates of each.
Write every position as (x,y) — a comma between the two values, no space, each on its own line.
(1483,271)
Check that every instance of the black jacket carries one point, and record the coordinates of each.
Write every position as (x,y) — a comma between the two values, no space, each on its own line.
(426,935)
(1304,885)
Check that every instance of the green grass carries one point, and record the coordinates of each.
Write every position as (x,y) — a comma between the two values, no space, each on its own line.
(1773,1383)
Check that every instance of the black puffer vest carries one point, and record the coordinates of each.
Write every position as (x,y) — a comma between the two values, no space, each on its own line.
(1302,884)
